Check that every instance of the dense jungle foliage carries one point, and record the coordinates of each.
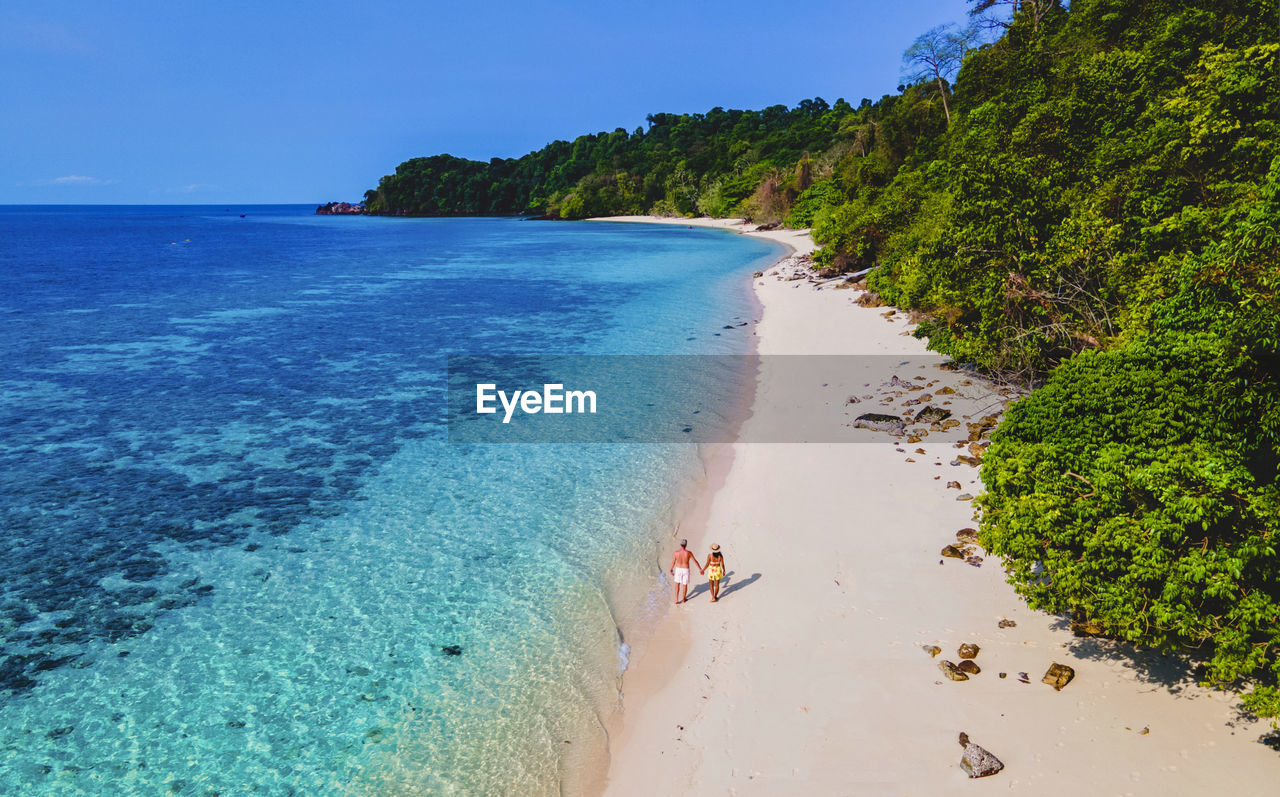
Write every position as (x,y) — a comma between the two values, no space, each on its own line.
(1091,206)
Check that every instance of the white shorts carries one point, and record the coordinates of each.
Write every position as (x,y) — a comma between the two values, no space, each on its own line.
(682,575)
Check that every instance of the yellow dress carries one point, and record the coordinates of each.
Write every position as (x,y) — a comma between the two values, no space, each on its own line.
(715,571)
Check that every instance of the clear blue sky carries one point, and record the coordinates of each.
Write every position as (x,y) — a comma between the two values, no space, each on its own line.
(238,102)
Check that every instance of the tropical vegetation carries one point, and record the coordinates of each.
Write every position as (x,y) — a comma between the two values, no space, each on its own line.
(1082,198)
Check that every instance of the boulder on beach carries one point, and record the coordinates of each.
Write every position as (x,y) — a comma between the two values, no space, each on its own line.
(1080,626)
(969,651)
(953,672)
(1058,676)
(976,761)
(877,422)
(932,414)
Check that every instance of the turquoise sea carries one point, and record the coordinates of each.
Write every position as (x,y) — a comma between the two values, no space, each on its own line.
(238,553)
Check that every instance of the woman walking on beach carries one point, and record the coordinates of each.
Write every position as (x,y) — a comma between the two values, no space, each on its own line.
(714,571)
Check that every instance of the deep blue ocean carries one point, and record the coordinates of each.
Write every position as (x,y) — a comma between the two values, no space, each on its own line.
(238,554)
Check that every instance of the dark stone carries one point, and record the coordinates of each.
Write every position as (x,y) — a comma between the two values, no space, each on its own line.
(969,651)
(451,650)
(1058,676)
(952,671)
(235,723)
(932,414)
(58,733)
(978,763)
(952,552)
(932,650)
(1006,624)
(969,667)
(1086,628)
(877,422)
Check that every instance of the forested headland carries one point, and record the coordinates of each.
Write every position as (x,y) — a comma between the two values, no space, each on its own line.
(1084,199)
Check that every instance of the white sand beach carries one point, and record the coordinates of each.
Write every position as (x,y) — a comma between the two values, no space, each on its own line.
(809,676)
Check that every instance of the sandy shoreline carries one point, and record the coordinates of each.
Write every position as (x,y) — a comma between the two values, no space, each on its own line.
(809,675)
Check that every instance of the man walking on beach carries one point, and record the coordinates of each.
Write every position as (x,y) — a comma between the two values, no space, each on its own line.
(680,570)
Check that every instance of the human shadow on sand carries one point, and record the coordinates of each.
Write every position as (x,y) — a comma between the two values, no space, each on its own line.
(727,585)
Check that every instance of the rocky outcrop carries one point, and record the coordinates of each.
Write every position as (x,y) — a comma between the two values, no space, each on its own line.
(340,209)
(880,423)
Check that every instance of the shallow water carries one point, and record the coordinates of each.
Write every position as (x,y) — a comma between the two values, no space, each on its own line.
(234,542)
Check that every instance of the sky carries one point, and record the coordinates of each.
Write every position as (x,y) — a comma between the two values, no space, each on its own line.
(308,102)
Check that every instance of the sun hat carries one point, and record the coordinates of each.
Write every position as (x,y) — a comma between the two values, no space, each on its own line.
(715,547)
